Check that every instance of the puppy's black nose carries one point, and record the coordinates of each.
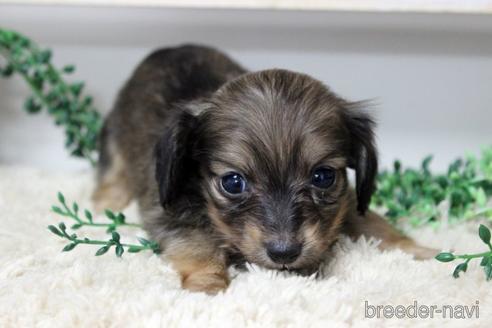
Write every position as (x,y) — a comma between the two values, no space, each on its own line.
(283,252)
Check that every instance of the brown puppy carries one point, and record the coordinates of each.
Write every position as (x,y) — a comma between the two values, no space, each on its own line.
(229,166)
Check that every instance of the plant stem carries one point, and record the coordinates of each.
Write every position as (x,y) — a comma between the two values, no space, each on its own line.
(117,220)
(111,225)
(101,242)
(92,224)
(145,244)
(473,256)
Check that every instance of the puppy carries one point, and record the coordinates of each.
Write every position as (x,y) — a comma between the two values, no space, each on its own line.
(230,166)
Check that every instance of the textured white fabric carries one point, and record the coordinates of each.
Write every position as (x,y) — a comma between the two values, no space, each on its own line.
(42,287)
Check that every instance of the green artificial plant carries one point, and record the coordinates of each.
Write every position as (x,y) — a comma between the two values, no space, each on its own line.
(116,220)
(52,92)
(486,257)
(461,193)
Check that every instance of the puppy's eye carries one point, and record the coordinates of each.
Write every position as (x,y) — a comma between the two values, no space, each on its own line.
(323,177)
(233,183)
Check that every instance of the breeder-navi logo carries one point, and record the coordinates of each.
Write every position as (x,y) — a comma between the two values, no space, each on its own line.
(422,311)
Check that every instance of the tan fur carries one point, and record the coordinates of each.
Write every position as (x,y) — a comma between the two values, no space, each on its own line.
(313,237)
(201,267)
(113,190)
(373,225)
(223,228)
(336,225)
(253,238)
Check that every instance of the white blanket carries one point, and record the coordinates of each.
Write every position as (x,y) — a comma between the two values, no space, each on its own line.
(42,287)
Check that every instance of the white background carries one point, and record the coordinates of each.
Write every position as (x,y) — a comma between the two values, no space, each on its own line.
(429,74)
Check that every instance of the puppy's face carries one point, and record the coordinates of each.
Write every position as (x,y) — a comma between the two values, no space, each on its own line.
(272,151)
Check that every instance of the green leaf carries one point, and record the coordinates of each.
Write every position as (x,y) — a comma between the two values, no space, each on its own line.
(445,257)
(88,215)
(134,249)
(7,71)
(484,234)
(426,163)
(102,250)
(69,247)
(37,80)
(68,69)
(45,56)
(120,218)
(75,207)
(488,271)
(397,166)
(76,226)
(87,101)
(58,210)
(115,236)
(481,197)
(486,260)
(119,250)
(32,106)
(110,214)
(76,88)
(143,241)
(460,268)
(7,36)
(54,230)
(155,247)
(62,226)
(455,166)
(61,198)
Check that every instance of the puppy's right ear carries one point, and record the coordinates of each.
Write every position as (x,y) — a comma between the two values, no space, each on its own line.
(175,166)
(362,152)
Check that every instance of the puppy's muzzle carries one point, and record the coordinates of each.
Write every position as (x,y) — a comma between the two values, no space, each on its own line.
(282,252)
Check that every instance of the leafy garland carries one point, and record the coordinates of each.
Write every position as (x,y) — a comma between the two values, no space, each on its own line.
(51,92)
(463,193)
(117,220)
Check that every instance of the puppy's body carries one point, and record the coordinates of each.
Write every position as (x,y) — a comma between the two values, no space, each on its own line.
(234,166)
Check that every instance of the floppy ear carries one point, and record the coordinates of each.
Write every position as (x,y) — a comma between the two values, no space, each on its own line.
(174,163)
(362,153)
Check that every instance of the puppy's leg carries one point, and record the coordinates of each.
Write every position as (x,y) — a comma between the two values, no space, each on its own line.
(112,189)
(201,265)
(372,225)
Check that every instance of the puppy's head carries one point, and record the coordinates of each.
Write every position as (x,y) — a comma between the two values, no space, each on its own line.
(268,158)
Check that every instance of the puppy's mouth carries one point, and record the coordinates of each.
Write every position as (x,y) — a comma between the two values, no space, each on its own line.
(300,266)
(303,271)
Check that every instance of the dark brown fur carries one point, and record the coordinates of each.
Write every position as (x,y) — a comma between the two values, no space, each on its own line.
(189,115)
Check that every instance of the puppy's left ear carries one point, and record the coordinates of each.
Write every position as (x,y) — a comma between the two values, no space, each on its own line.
(175,167)
(362,152)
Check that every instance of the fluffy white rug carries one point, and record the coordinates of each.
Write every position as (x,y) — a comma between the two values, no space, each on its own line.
(42,287)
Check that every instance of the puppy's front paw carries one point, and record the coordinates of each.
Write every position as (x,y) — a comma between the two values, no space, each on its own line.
(419,252)
(210,283)
(424,253)
(112,197)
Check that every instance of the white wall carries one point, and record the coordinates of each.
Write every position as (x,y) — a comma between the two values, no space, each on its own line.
(430,75)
